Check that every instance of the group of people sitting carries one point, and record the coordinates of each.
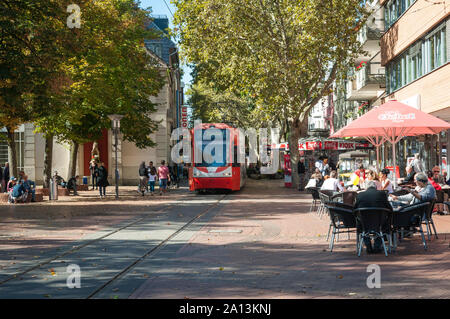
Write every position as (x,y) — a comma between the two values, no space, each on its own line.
(375,190)
(372,197)
(331,182)
(19,189)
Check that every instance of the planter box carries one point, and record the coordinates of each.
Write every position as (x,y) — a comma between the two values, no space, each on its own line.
(83,187)
(4,197)
(63,192)
(43,191)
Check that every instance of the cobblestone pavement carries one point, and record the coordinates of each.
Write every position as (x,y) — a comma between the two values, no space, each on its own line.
(28,231)
(261,242)
(264,243)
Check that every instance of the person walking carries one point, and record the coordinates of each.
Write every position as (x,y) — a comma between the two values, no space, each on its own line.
(93,167)
(143,177)
(163,175)
(417,164)
(301,174)
(102,180)
(152,175)
(6,176)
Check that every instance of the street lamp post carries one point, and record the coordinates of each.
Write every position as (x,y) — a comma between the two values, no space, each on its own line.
(115,119)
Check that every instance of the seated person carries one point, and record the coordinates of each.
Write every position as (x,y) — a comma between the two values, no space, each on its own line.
(59,180)
(386,183)
(30,187)
(432,181)
(18,194)
(372,176)
(315,180)
(424,192)
(332,183)
(409,179)
(11,183)
(72,185)
(372,198)
(437,177)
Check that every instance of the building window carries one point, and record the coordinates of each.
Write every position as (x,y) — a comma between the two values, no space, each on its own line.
(20,149)
(156,48)
(394,9)
(419,59)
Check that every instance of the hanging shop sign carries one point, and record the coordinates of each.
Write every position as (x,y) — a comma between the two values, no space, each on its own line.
(343,146)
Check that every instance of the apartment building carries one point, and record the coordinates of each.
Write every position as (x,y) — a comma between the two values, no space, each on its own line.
(416,54)
(366,80)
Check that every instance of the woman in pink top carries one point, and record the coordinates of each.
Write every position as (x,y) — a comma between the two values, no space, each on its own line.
(163,175)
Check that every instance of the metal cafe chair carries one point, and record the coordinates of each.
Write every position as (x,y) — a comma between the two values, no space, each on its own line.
(427,219)
(373,221)
(409,219)
(340,205)
(343,221)
(314,191)
(327,196)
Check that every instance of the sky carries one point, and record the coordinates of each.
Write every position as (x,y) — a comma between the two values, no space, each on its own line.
(160,7)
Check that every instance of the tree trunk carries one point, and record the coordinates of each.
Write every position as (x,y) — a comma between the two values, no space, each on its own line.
(298,128)
(13,171)
(73,160)
(48,160)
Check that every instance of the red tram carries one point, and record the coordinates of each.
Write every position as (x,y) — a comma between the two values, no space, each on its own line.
(223,172)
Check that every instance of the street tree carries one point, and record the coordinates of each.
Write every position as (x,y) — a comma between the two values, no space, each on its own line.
(107,70)
(284,53)
(30,35)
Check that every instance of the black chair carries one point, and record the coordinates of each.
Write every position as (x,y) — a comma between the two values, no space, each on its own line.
(314,191)
(427,219)
(340,205)
(409,219)
(343,221)
(371,222)
(326,196)
(349,197)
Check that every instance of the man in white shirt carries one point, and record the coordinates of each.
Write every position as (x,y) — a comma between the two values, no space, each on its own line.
(332,183)
(321,165)
(417,164)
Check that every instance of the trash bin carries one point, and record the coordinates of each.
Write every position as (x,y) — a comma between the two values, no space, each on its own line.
(53,189)
(85,180)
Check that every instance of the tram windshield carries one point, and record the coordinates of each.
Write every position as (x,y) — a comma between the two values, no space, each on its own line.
(213,144)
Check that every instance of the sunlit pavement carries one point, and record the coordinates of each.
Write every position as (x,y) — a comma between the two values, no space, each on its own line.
(264,243)
(261,242)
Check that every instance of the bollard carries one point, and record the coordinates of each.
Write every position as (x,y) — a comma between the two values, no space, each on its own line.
(53,189)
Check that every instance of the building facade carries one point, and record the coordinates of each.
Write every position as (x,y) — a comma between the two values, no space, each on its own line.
(416,55)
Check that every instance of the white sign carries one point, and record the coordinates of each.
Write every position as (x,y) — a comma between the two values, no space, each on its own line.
(396,117)
(413,101)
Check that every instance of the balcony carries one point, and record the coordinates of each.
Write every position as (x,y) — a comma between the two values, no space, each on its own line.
(366,82)
(369,37)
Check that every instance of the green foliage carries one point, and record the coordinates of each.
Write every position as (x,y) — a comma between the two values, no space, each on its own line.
(285,54)
(213,106)
(68,81)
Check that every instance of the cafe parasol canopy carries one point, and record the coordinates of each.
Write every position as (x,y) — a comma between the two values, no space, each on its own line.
(391,122)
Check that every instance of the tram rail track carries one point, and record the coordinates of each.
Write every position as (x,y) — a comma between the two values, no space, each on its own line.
(153,250)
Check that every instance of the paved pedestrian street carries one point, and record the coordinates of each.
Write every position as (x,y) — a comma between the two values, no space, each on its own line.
(261,242)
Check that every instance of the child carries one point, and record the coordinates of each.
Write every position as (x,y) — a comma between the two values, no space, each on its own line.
(152,174)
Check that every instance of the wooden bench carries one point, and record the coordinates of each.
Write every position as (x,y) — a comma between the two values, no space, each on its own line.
(4,197)
(83,187)
(43,191)
(63,192)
